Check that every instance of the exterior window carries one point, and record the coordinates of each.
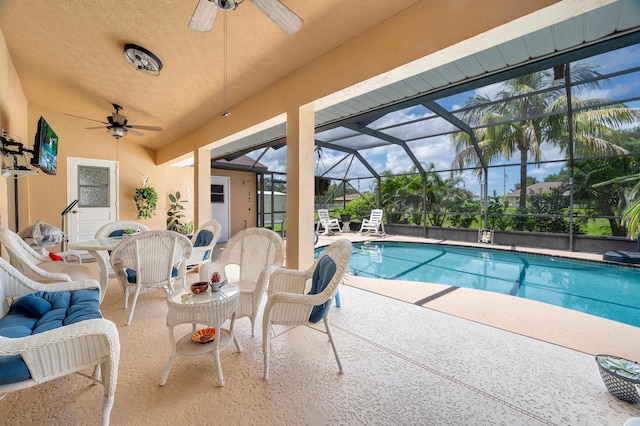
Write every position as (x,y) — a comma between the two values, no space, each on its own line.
(217,194)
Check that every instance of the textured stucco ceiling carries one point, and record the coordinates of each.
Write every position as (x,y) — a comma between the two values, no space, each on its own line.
(68,55)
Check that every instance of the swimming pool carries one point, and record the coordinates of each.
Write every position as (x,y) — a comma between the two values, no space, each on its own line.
(600,289)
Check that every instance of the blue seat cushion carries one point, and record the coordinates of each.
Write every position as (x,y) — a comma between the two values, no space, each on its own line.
(203,238)
(39,312)
(132,276)
(116,233)
(325,270)
(32,304)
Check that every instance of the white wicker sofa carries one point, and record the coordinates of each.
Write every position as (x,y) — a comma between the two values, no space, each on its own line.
(51,330)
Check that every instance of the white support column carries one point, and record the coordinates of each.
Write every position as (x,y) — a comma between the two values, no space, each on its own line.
(202,185)
(300,189)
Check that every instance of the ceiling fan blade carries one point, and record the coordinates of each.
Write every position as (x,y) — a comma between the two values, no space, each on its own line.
(85,118)
(204,16)
(133,132)
(150,128)
(280,14)
(97,127)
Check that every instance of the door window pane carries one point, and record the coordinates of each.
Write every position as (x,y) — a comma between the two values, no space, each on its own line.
(93,186)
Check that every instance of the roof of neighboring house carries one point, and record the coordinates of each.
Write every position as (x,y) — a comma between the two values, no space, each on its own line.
(538,188)
(243,162)
(349,197)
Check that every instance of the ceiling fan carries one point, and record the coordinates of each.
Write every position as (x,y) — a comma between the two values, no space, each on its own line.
(117,126)
(205,14)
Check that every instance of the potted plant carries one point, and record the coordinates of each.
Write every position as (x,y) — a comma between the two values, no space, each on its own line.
(345,215)
(186,228)
(129,232)
(146,199)
(620,377)
(174,214)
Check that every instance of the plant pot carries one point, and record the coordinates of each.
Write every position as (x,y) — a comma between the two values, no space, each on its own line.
(345,218)
(620,377)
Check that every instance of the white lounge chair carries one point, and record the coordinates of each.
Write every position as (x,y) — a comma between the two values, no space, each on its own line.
(374,223)
(327,223)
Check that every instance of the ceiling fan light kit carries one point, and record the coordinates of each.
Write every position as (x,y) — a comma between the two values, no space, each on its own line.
(142,59)
(205,13)
(226,4)
(117,132)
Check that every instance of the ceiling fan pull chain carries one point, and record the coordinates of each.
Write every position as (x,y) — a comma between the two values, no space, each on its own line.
(225,113)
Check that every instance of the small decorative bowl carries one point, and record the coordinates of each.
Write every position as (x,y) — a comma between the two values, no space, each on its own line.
(199,287)
(619,376)
(205,335)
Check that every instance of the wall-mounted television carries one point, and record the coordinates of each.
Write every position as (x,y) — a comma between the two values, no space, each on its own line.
(45,148)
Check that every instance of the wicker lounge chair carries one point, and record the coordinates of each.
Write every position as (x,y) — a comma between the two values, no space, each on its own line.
(150,261)
(248,259)
(203,242)
(288,305)
(49,353)
(37,266)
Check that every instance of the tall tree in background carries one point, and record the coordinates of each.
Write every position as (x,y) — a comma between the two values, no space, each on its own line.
(526,112)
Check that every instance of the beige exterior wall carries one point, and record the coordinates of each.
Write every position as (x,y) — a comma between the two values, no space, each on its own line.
(244,205)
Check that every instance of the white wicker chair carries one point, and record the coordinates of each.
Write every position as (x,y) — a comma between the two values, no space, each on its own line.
(63,350)
(325,222)
(288,305)
(37,266)
(115,229)
(374,223)
(150,261)
(201,252)
(248,259)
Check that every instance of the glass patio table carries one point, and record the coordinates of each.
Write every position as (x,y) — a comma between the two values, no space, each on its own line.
(99,248)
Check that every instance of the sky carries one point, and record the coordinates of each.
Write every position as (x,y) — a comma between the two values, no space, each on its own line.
(437,149)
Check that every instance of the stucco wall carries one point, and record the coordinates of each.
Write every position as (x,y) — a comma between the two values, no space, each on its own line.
(13,118)
(243,199)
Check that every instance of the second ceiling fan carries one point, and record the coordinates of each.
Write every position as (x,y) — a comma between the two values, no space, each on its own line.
(205,14)
(117,124)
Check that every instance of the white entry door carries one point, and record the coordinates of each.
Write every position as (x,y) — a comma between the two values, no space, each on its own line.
(94,183)
(220,204)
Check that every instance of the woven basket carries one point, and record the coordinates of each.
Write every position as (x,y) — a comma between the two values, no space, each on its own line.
(619,386)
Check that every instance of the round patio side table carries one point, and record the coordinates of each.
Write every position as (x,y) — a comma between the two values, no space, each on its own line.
(208,308)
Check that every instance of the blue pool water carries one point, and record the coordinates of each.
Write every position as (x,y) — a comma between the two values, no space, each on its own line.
(600,289)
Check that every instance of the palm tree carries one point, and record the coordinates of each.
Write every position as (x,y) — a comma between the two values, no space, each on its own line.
(392,195)
(440,195)
(529,112)
(631,215)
